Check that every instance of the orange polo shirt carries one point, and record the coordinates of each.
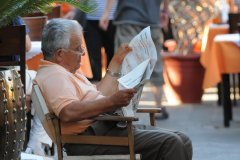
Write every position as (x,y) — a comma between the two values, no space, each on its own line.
(60,87)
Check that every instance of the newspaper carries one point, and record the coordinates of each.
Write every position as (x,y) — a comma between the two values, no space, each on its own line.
(137,67)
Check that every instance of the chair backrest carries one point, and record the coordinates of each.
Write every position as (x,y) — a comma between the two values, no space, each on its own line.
(35,25)
(12,44)
(234,21)
(55,13)
(42,112)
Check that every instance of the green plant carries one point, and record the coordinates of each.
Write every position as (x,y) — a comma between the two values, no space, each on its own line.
(9,9)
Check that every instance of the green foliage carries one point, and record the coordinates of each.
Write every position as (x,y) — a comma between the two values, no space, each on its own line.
(10,9)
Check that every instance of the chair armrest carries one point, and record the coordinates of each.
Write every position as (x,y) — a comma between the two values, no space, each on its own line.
(152,112)
(107,117)
(149,110)
(102,117)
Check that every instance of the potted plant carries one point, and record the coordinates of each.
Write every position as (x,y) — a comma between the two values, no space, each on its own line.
(183,72)
(9,9)
(12,131)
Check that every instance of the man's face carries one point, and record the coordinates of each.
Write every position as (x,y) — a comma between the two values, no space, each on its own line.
(71,57)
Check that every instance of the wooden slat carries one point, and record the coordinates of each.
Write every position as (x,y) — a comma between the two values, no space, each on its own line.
(102,157)
(99,140)
(149,110)
(114,118)
(131,140)
(9,63)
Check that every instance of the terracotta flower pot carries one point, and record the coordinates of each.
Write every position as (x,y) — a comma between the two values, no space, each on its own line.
(183,77)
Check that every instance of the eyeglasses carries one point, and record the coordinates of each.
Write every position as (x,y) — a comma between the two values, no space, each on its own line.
(80,50)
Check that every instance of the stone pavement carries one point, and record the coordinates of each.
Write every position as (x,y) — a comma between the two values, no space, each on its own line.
(203,123)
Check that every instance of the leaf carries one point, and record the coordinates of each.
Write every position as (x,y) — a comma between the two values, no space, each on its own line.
(10,9)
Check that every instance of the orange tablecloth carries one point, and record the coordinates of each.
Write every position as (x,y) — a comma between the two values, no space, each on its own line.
(210,32)
(222,57)
(33,63)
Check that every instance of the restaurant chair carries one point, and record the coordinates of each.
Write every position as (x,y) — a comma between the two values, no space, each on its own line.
(55,13)
(51,124)
(12,48)
(234,19)
(35,25)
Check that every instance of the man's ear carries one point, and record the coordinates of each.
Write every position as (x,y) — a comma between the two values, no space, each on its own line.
(59,55)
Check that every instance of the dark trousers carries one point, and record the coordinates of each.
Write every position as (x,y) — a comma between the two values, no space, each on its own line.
(151,142)
(96,38)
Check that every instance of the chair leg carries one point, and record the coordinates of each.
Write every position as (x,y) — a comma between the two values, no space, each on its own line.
(152,119)
(131,141)
(238,76)
(59,152)
(234,90)
(219,92)
(58,139)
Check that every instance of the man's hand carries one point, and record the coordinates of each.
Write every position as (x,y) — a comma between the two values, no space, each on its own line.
(117,59)
(122,98)
(109,84)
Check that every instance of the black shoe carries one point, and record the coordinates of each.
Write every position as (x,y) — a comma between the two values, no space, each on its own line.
(163,115)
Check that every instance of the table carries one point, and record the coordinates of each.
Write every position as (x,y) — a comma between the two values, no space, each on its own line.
(210,32)
(221,59)
(34,55)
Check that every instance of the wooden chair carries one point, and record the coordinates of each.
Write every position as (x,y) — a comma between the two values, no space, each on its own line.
(12,43)
(35,25)
(52,126)
(234,19)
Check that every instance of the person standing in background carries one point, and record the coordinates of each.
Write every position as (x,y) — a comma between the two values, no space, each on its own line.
(100,33)
(131,17)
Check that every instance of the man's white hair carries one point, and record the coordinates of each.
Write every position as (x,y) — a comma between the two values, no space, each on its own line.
(56,35)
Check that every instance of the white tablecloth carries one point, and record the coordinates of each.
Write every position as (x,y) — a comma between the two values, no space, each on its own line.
(228,38)
(35,49)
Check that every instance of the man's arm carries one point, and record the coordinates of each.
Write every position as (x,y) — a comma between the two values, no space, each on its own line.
(104,20)
(80,110)
(109,84)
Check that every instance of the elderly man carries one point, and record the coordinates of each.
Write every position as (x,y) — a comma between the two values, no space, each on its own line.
(75,100)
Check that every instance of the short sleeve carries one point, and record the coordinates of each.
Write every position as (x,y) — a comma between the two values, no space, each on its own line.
(58,92)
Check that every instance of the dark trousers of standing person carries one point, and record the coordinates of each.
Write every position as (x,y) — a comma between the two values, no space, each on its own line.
(96,38)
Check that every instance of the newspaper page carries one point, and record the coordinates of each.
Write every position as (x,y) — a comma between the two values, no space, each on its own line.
(137,67)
